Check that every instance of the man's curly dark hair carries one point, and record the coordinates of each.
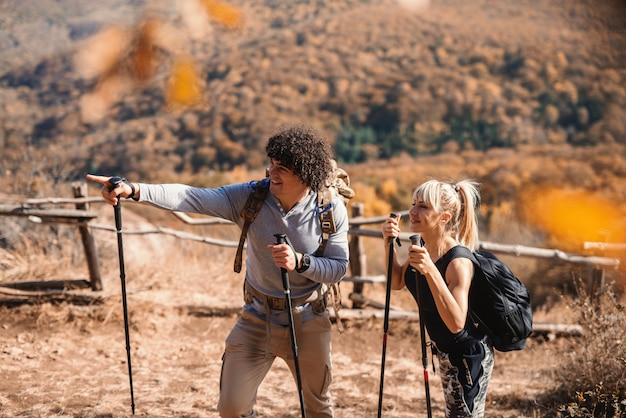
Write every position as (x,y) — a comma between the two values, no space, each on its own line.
(305,151)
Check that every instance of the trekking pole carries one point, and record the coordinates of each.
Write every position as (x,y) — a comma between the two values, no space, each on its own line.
(416,240)
(386,321)
(115,182)
(282,239)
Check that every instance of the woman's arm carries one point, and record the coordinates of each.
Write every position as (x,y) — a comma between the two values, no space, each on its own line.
(452,299)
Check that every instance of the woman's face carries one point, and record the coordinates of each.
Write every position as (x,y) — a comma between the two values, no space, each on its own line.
(423,217)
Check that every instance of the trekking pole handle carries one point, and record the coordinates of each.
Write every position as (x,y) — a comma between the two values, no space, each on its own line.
(282,239)
(395,215)
(416,240)
(114,183)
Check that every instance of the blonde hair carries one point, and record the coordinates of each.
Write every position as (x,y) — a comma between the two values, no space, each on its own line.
(460,200)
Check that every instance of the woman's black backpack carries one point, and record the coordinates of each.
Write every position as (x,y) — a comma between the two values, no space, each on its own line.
(500,303)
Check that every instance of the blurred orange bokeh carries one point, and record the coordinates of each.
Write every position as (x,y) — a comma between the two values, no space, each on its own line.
(227,15)
(142,54)
(126,59)
(572,217)
(185,85)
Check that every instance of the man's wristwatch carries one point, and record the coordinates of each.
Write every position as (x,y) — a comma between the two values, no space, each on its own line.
(305,263)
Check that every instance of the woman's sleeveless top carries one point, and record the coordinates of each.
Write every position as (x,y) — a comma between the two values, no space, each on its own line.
(443,338)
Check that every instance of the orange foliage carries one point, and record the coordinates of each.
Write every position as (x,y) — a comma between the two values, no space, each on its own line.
(367,195)
(388,188)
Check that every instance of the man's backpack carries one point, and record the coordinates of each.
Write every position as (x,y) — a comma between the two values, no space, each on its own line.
(500,303)
(338,184)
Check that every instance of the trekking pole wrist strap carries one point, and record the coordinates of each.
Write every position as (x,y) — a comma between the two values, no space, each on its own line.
(132,189)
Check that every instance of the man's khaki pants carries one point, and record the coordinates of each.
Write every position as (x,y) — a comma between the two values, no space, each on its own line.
(251,348)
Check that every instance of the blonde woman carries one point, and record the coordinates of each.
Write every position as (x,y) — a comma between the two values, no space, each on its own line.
(438,275)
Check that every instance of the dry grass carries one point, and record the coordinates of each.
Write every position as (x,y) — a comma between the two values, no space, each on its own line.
(29,260)
(593,373)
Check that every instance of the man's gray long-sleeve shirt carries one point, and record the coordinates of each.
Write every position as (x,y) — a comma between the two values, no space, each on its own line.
(301,225)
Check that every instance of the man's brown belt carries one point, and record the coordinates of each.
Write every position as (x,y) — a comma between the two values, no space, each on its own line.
(317,298)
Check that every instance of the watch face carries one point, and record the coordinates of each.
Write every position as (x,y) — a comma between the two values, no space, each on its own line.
(305,263)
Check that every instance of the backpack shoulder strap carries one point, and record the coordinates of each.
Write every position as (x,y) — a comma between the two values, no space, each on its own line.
(249,213)
(326,215)
(458,251)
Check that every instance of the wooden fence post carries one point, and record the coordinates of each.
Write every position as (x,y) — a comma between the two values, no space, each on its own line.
(597,285)
(598,274)
(358,258)
(91,253)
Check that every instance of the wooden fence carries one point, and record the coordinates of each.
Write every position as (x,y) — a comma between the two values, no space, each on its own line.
(83,218)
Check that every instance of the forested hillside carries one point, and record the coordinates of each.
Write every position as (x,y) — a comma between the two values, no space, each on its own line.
(379,77)
(524,96)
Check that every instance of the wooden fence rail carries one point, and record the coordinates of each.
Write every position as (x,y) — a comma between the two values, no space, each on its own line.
(83,219)
(80,216)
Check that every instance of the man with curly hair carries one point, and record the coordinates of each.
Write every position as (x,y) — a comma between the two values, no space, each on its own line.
(300,163)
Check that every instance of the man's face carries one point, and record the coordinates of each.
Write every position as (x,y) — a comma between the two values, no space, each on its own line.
(283,181)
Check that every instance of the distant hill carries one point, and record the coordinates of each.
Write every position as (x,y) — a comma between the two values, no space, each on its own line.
(379,78)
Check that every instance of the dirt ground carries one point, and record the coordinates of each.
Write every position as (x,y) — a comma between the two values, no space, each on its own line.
(67,357)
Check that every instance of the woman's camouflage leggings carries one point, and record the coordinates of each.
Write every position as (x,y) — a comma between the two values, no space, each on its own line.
(456,403)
